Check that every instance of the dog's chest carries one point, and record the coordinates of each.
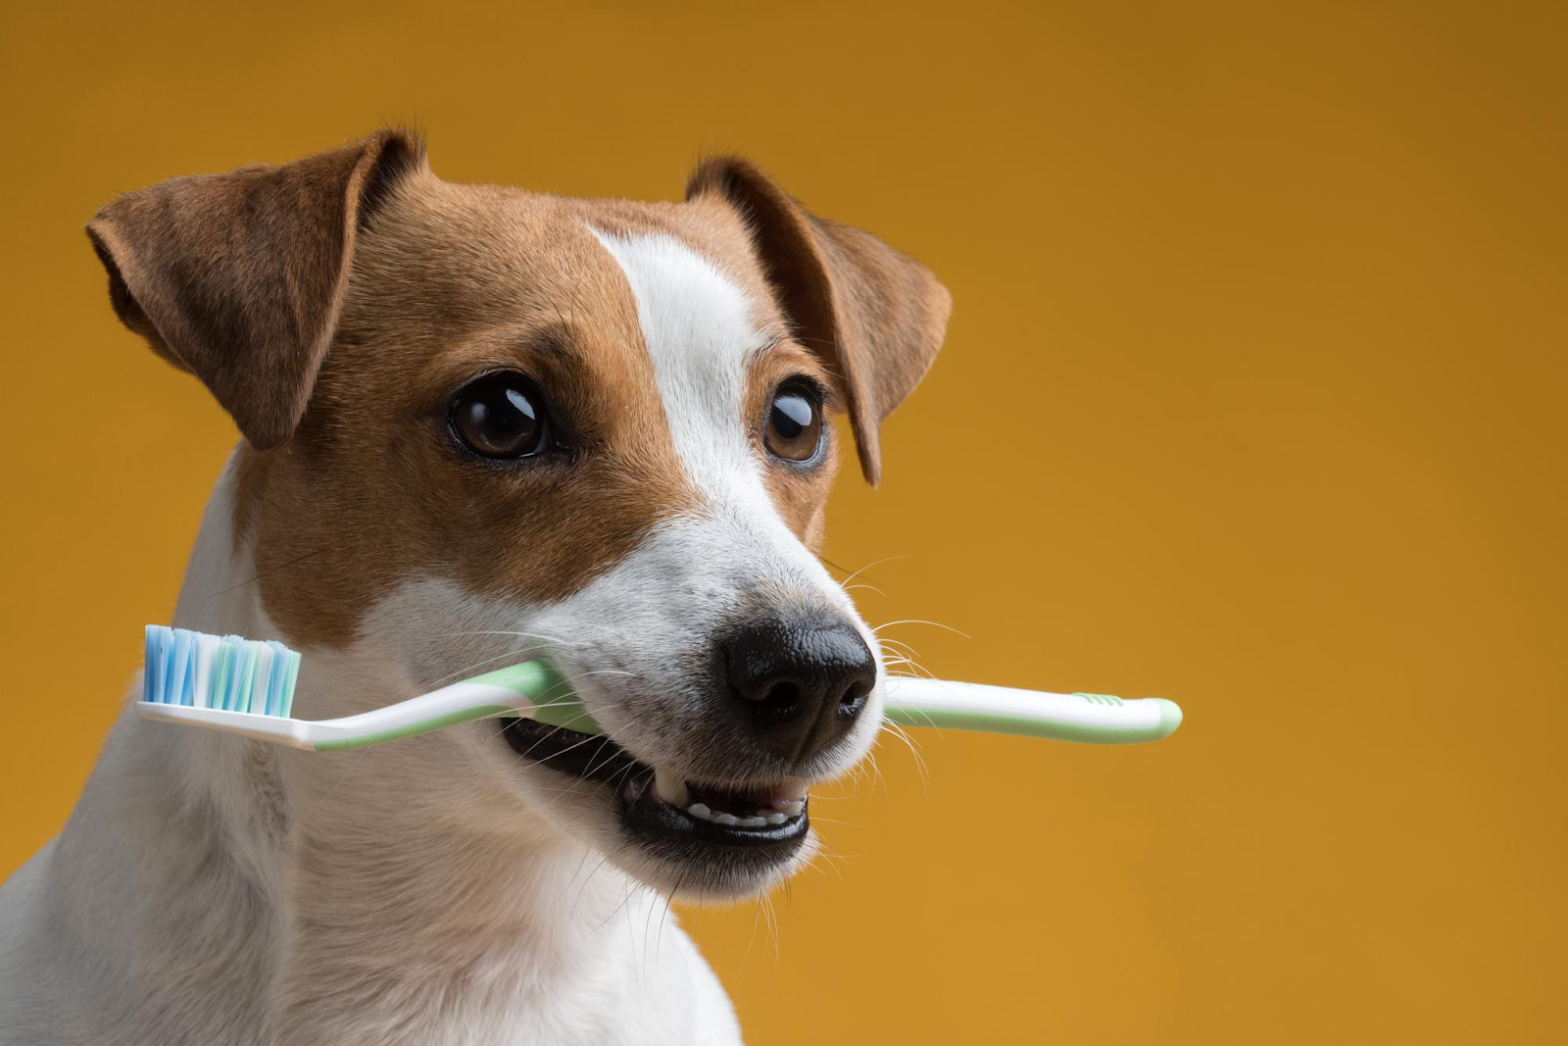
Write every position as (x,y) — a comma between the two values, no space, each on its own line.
(645,984)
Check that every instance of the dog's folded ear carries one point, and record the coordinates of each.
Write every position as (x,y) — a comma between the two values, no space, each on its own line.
(876,315)
(239,277)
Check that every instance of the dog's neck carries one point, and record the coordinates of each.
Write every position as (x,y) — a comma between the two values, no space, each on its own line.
(357,896)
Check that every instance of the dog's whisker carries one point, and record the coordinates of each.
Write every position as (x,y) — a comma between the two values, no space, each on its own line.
(577,901)
(468,670)
(669,902)
(833,859)
(914,751)
(273,570)
(920,621)
(869,566)
(587,739)
(617,910)
(756,918)
(541,636)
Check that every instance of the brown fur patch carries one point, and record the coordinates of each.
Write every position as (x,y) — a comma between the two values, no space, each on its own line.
(421,286)
(453,282)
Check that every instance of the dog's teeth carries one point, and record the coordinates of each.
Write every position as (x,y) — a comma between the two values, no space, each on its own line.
(776,818)
(727,819)
(753,822)
(670,787)
(700,811)
(792,809)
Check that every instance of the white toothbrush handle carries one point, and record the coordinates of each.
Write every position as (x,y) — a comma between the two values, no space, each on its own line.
(1091,718)
(528,690)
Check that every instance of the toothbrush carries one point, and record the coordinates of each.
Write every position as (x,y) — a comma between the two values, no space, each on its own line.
(246,687)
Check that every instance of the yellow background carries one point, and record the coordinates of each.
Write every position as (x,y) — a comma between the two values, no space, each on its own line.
(1253,397)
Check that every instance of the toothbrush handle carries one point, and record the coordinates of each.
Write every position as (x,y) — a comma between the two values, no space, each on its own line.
(529,690)
(1087,718)
(534,690)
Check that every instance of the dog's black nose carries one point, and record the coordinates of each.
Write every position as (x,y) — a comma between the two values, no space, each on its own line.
(798,686)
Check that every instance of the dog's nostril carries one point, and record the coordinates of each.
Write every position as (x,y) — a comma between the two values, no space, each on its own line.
(781,700)
(854,698)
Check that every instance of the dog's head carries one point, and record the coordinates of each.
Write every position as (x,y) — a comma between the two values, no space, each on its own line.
(486,425)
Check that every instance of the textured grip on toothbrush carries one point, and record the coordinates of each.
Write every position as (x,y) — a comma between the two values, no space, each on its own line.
(1084,718)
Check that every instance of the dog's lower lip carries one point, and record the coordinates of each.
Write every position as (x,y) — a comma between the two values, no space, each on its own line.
(764,819)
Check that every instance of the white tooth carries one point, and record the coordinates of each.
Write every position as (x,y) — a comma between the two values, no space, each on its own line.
(700,810)
(753,822)
(793,787)
(777,818)
(729,819)
(794,808)
(669,786)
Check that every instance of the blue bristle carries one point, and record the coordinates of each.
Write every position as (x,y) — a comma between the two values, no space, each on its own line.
(182,677)
(174,656)
(165,663)
(151,686)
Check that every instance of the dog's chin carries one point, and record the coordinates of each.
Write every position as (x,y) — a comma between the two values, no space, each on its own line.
(698,840)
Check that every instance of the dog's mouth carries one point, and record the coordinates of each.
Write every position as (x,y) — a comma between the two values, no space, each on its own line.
(685,821)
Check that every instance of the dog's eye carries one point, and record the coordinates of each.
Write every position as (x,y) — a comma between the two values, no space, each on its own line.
(794,423)
(501,416)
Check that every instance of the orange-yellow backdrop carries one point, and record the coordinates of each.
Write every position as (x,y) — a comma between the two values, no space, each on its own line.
(1253,397)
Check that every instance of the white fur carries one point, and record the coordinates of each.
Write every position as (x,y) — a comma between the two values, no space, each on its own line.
(210,890)
(698,330)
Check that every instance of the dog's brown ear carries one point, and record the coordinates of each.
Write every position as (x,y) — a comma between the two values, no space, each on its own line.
(239,277)
(876,315)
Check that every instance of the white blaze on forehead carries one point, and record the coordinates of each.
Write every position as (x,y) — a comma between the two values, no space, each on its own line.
(698,329)
(668,600)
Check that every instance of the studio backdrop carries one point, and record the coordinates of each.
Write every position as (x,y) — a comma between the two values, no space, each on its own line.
(1252,398)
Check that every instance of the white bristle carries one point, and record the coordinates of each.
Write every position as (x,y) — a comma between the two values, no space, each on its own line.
(258,692)
(206,651)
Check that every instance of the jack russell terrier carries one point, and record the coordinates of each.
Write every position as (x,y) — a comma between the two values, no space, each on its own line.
(480,426)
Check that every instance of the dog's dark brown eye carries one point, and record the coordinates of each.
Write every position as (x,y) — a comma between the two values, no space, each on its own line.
(794,423)
(501,416)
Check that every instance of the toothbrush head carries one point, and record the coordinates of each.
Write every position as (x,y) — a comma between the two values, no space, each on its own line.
(228,673)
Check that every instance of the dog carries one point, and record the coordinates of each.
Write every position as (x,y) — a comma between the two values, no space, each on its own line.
(480,425)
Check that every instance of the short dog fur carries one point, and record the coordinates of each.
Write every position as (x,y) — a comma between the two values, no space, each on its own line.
(448,888)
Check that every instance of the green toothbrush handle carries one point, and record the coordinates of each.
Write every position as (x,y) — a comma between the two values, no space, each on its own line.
(1086,718)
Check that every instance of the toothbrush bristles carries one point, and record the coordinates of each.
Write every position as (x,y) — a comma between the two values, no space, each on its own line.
(224,672)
